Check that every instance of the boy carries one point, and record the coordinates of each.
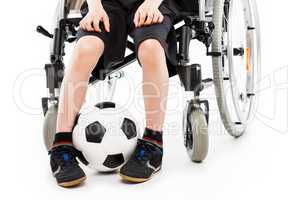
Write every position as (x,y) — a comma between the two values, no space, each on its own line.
(101,42)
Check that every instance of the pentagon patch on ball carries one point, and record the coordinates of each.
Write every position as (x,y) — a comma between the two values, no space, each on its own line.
(113,161)
(94,132)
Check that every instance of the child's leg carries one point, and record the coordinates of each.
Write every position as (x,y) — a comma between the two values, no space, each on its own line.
(155,82)
(84,58)
(63,161)
(147,157)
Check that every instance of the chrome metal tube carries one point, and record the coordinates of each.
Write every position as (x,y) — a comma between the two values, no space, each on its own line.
(202,9)
(59,13)
(74,5)
(209,5)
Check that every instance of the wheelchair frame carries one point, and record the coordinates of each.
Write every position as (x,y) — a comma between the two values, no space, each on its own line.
(198,26)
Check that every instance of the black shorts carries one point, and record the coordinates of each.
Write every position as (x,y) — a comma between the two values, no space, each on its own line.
(121,25)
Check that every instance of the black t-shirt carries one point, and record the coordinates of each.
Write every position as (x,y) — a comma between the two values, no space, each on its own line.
(186,5)
(174,5)
(130,4)
(170,7)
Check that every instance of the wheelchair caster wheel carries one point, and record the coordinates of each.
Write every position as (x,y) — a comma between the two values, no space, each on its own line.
(195,131)
(49,128)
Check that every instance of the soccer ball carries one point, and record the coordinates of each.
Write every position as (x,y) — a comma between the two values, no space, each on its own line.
(106,135)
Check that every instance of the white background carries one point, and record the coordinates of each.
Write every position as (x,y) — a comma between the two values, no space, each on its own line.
(264,164)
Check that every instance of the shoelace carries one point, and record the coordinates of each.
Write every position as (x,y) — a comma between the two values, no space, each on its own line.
(144,152)
(65,158)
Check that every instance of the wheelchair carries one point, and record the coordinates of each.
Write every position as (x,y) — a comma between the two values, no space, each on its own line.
(230,31)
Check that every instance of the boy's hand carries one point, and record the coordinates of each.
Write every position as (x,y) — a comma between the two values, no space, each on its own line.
(148,13)
(92,20)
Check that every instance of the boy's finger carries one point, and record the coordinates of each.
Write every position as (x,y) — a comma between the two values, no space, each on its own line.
(155,19)
(106,23)
(82,24)
(96,25)
(149,19)
(161,18)
(85,27)
(142,19)
(136,19)
(88,26)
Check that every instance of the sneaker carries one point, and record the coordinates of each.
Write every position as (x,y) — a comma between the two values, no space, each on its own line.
(65,167)
(145,161)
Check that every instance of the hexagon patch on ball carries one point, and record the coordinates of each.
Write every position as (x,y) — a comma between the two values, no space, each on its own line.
(129,128)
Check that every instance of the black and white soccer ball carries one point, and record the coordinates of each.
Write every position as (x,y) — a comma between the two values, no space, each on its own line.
(106,135)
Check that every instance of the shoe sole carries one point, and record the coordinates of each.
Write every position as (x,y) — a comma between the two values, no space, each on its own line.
(133,179)
(137,180)
(72,183)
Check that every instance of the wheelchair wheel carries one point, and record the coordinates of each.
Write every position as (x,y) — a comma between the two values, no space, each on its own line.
(50,126)
(195,132)
(236,62)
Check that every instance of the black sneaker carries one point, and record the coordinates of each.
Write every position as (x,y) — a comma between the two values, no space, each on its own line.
(145,161)
(65,167)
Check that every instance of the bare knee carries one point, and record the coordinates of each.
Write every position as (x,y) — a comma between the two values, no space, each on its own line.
(150,51)
(89,46)
(86,54)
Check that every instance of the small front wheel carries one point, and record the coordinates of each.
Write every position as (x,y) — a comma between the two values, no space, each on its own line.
(195,131)
(50,126)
